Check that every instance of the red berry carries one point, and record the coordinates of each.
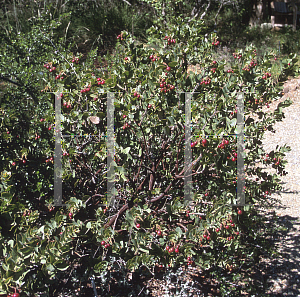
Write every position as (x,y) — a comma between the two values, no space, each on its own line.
(237,232)
(15,295)
(217,230)
(24,161)
(70,215)
(193,144)
(135,94)
(103,242)
(177,250)
(149,105)
(167,247)
(188,258)
(13,163)
(232,225)
(227,227)
(138,225)
(168,68)
(240,212)
(126,58)
(158,232)
(204,142)
(124,116)
(233,159)
(204,235)
(226,142)
(171,250)
(151,57)
(206,194)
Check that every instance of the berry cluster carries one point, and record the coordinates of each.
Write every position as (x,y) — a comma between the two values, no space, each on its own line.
(105,244)
(190,261)
(67,105)
(153,58)
(252,64)
(236,55)
(223,143)
(100,81)
(216,43)
(75,60)
(213,70)
(230,71)
(266,159)
(120,37)
(52,69)
(170,40)
(233,156)
(203,142)
(86,90)
(170,250)
(49,160)
(49,66)
(206,81)
(137,95)
(206,235)
(266,75)
(164,87)
(125,126)
(193,144)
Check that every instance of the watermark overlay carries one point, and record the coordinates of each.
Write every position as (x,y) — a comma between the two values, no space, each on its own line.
(57,153)
(188,179)
(110,144)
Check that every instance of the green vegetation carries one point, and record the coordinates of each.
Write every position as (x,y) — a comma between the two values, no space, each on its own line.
(81,51)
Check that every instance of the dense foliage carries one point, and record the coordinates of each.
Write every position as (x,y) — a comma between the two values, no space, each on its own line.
(150,228)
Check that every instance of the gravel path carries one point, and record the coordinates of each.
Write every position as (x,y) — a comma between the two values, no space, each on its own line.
(282,272)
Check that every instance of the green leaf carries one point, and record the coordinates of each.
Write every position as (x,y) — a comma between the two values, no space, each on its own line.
(61,265)
(172,64)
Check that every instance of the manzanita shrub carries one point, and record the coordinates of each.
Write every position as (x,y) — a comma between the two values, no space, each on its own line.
(150,224)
